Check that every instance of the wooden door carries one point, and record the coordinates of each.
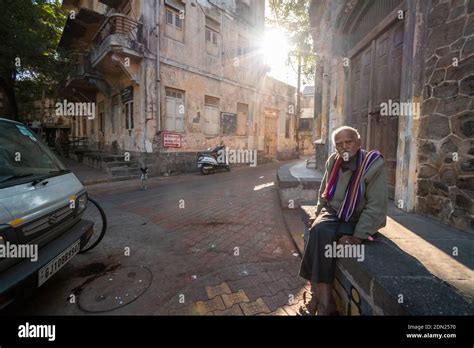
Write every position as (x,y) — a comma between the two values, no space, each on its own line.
(376,79)
(270,140)
(101,132)
(360,76)
(242,118)
(386,86)
(115,115)
(211,125)
(83,127)
(211,120)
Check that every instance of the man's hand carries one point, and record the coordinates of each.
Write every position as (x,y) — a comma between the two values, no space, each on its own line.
(311,221)
(349,240)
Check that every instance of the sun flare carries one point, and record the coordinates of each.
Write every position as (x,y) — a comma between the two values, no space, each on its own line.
(275,48)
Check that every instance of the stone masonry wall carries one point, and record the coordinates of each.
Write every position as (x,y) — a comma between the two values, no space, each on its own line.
(445,185)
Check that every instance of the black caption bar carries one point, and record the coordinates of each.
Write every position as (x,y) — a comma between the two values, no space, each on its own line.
(220,330)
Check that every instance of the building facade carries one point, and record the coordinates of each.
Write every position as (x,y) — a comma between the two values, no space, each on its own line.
(402,73)
(306,132)
(175,77)
(53,129)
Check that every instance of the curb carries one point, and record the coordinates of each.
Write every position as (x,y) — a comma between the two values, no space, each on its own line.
(101,181)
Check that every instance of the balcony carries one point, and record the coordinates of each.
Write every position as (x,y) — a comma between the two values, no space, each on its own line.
(79,32)
(118,38)
(83,81)
(113,3)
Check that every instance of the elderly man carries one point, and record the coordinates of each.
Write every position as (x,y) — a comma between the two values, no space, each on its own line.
(352,206)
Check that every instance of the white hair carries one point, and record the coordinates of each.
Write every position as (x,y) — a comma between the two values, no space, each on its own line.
(344,128)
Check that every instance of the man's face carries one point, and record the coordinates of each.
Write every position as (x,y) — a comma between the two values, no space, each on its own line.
(347,144)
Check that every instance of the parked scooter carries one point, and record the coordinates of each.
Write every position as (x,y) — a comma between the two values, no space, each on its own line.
(209,162)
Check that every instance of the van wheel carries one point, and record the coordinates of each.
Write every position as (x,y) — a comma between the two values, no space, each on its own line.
(96,214)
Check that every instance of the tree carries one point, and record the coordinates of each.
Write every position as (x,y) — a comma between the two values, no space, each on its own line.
(30,65)
(293,16)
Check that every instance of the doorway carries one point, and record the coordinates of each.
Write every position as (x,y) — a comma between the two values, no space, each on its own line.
(271,128)
(375,78)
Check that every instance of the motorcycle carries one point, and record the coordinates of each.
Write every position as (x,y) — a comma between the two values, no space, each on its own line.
(209,162)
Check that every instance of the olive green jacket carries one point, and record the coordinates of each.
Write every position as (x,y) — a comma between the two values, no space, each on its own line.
(371,212)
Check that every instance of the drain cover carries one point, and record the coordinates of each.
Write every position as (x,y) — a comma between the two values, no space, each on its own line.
(115,289)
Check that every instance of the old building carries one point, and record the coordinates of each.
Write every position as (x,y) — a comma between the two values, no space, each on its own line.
(402,73)
(173,77)
(40,115)
(306,133)
(113,65)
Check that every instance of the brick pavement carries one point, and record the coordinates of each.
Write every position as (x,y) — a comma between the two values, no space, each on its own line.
(227,251)
(249,294)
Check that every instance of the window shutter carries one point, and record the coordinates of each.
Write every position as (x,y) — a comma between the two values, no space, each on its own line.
(212,24)
(170,110)
(179,117)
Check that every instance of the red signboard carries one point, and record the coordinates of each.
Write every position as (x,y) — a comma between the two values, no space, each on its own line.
(172,140)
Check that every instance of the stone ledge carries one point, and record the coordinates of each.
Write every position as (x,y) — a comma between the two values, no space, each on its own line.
(310,183)
(285,178)
(389,275)
(296,189)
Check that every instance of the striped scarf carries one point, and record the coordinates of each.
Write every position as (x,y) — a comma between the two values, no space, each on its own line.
(354,189)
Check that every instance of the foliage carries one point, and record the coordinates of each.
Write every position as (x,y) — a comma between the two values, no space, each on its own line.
(293,15)
(30,31)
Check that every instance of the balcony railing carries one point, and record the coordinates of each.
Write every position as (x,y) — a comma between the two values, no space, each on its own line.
(117,32)
(119,24)
(82,77)
(74,144)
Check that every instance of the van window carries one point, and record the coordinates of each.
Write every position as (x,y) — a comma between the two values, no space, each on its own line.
(23,157)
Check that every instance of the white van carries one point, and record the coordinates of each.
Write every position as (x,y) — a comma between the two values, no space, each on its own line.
(41,205)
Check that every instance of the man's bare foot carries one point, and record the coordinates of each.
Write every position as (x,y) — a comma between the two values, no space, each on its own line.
(326,303)
(309,306)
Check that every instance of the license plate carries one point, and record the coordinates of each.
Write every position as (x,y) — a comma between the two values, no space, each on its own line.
(59,261)
(199,165)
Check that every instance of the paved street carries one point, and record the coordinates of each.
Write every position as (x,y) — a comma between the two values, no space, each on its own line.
(190,244)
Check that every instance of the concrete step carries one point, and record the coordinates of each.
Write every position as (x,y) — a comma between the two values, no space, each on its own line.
(296,187)
(117,164)
(118,159)
(94,181)
(125,171)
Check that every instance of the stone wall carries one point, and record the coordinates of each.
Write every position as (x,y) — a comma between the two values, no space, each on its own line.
(167,163)
(170,163)
(445,185)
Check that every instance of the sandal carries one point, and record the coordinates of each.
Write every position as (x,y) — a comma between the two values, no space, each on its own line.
(309,307)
